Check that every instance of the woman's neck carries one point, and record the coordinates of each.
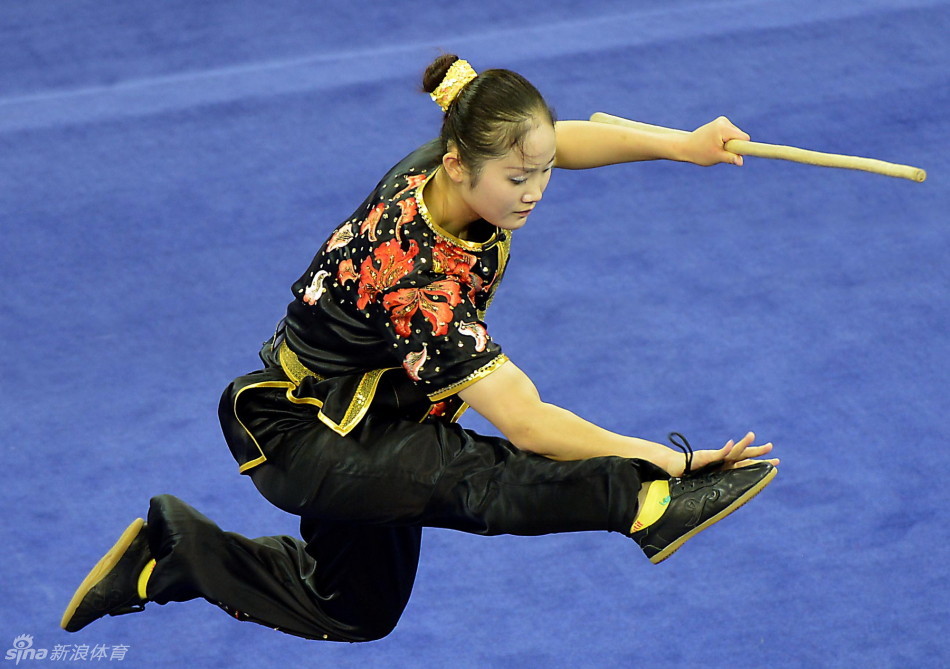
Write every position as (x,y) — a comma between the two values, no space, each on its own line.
(446,206)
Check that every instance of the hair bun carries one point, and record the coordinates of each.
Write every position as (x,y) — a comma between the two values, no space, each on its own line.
(435,73)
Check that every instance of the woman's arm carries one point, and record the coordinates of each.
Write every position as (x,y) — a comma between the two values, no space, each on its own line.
(509,400)
(582,144)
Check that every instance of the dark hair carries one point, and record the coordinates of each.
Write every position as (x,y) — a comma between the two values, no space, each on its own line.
(491,115)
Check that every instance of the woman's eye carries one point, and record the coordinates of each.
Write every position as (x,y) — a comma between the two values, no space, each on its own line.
(517,180)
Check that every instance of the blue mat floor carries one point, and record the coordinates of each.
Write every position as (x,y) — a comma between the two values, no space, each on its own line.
(169,169)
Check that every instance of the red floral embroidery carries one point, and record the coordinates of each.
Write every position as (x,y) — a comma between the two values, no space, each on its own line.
(369,223)
(403,304)
(453,261)
(346,272)
(413,181)
(409,210)
(438,410)
(383,270)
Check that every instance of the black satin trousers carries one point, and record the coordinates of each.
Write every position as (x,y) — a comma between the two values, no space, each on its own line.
(363,500)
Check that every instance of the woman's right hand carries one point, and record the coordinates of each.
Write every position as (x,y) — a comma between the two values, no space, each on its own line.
(707,144)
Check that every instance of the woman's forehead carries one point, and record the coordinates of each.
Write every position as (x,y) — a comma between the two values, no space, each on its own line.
(537,149)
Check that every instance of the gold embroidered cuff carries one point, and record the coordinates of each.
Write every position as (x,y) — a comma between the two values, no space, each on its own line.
(477,375)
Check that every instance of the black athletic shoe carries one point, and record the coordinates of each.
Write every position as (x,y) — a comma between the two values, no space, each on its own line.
(699,500)
(112,585)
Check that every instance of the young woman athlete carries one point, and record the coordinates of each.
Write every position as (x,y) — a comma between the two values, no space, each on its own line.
(351,425)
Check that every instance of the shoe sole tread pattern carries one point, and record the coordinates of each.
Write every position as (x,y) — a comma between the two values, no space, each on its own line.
(749,494)
(102,569)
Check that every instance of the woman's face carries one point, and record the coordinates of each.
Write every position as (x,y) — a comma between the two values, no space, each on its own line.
(508,188)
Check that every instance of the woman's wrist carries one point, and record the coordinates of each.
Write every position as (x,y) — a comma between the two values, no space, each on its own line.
(678,147)
(662,456)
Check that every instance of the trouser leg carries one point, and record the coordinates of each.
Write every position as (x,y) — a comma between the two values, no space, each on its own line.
(491,487)
(345,584)
(365,574)
(395,473)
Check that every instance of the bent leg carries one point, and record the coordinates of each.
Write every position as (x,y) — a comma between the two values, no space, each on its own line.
(360,589)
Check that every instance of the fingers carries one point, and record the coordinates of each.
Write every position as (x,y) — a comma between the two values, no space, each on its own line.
(730,158)
(743,449)
(742,453)
(748,463)
(735,448)
(728,131)
(746,440)
(734,454)
(756,452)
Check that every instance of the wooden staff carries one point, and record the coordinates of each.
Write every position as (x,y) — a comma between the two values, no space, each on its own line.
(779,152)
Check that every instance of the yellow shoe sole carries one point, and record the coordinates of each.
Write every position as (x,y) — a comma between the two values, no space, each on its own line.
(106,564)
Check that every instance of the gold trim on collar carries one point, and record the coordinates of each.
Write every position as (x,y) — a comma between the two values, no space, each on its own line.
(504,252)
(442,232)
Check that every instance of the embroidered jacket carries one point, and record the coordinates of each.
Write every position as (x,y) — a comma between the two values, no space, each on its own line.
(392,307)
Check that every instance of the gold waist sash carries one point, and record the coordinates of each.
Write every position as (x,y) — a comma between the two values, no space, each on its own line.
(295,370)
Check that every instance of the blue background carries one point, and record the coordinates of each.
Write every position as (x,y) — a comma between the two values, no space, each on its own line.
(168,169)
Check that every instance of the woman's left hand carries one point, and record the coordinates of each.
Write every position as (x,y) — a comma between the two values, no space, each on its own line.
(742,453)
(733,455)
(706,144)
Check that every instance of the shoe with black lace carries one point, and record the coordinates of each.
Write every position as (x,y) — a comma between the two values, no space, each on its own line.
(111,588)
(699,500)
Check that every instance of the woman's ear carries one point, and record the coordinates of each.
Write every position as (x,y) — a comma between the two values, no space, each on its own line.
(453,167)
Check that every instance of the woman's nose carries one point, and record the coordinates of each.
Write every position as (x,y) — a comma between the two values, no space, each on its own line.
(532,195)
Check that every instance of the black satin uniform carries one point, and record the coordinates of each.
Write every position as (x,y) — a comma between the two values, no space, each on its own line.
(351,426)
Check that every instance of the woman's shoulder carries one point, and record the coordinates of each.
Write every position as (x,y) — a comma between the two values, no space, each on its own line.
(401,180)
(424,159)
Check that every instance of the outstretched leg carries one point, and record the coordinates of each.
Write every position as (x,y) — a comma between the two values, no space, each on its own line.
(391,472)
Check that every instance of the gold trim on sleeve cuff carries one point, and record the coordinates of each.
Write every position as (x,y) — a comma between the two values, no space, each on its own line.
(477,375)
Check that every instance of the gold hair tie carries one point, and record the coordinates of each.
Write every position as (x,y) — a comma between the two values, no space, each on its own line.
(459,74)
